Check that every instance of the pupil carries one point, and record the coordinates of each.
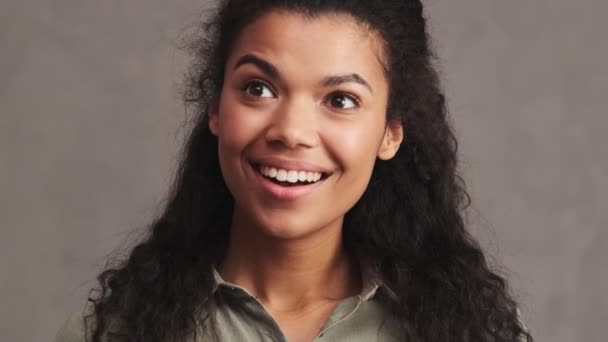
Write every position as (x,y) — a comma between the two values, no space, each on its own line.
(257,90)
(338,101)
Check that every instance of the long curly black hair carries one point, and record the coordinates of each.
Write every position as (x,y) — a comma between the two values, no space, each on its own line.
(408,223)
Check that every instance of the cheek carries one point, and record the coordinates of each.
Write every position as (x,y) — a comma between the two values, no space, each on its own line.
(228,119)
(237,128)
(235,133)
(355,147)
(355,151)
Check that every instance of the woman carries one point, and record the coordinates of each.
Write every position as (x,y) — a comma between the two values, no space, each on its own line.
(318,197)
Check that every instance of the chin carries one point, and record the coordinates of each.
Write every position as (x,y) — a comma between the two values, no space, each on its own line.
(287,229)
(291,225)
(287,222)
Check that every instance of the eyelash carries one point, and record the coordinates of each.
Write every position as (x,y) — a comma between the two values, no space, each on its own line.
(355,99)
(249,83)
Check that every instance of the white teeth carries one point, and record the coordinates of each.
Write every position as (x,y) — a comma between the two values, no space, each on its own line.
(281,175)
(291,176)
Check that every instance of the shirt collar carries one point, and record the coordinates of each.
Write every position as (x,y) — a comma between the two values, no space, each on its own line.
(370,283)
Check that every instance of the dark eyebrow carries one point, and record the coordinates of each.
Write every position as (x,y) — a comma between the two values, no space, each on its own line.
(272,71)
(263,65)
(340,79)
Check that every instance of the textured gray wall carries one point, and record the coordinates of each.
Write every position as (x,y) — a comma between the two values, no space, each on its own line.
(90,126)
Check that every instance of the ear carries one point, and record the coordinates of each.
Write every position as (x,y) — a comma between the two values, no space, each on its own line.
(212,111)
(393,136)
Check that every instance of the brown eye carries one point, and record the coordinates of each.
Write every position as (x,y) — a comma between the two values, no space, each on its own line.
(258,89)
(343,101)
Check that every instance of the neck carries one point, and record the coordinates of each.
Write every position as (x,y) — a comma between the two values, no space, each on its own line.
(290,273)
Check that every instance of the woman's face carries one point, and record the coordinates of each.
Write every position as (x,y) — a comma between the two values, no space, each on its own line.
(301,120)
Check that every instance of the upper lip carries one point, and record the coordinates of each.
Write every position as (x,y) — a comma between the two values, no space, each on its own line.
(289,164)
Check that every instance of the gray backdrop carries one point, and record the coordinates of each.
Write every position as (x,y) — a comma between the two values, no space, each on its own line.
(90,125)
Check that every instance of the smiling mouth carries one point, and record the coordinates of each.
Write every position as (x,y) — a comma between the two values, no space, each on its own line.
(289,178)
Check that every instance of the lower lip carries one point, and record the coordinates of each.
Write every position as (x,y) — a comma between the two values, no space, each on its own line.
(287,193)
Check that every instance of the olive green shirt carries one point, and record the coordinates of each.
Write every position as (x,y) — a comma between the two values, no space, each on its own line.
(241,317)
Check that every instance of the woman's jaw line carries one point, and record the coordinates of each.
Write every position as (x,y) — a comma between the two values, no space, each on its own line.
(251,237)
(282,270)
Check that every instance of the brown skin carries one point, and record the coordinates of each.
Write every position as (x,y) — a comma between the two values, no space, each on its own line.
(289,253)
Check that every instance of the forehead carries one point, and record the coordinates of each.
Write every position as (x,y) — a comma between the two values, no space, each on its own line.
(319,45)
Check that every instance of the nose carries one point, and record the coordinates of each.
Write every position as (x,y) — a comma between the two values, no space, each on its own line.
(293,125)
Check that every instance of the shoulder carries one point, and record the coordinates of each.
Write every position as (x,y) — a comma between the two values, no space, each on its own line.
(369,321)
(73,330)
